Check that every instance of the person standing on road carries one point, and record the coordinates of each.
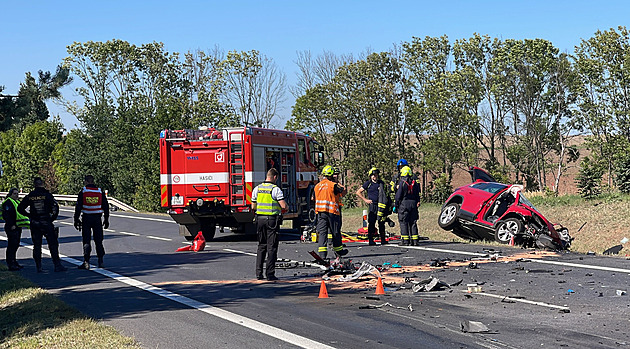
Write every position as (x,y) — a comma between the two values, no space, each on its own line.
(92,203)
(328,212)
(407,202)
(13,223)
(375,200)
(43,210)
(268,203)
(335,178)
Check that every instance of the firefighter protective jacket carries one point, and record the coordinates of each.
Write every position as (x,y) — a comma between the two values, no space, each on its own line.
(407,198)
(91,200)
(384,202)
(325,197)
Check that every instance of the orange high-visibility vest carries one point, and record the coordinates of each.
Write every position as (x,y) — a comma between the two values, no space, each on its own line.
(92,201)
(325,198)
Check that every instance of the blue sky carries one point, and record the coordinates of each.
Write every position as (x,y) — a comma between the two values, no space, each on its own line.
(34,34)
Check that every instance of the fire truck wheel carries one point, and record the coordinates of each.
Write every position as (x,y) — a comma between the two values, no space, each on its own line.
(209,231)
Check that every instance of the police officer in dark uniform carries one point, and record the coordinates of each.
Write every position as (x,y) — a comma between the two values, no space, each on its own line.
(268,203)
(92,203)
(43,210)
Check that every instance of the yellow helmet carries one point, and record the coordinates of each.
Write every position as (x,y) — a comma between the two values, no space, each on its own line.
(328,171)
(373,170)
(406,172)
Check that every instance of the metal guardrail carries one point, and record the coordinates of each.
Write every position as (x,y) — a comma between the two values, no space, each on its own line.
(73,198)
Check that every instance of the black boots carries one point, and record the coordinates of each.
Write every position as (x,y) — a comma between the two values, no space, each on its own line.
(38,266)
(85,265)
(100,262)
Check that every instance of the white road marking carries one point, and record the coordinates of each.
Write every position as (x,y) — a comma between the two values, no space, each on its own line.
(577,265)
(263,328)
(128,233)
(134,217)
(565,264)
(290,261)
(542,304)
(237,251)
(441,250)
(158,238)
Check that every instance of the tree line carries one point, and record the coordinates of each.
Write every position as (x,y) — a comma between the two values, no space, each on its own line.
(510,106)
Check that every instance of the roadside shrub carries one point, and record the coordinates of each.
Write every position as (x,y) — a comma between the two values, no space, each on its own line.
(440,189)
(350,200)
(622,174)
(589,178)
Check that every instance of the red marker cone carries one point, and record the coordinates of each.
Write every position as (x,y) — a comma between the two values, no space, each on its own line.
(185,248)
(322,290)
(511,240)
(379,287)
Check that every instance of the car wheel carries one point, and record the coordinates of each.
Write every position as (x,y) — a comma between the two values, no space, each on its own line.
(448,216)
(507,229)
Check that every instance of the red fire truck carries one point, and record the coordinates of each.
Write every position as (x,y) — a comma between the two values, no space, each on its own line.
(207,175)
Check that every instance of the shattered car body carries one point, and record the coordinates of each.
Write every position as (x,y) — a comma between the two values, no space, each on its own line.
(487,210)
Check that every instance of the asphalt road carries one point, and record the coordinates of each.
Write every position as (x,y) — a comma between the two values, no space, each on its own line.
(168,299)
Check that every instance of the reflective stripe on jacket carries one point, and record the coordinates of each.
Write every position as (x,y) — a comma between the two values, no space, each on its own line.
(265,204)
(92,201)
(325,198)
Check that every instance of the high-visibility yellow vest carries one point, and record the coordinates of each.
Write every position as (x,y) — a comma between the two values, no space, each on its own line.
(265,204)
(21,221)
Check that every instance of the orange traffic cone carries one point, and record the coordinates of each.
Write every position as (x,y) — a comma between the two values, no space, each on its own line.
(379,287)
(511,241)
(322,290)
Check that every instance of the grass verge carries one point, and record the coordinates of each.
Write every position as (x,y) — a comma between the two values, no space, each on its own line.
(32,318)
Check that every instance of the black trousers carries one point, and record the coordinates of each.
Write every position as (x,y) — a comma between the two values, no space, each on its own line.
(267,228)
(372,219)
(39,230)
(92,227)
(328,223)
(14,237)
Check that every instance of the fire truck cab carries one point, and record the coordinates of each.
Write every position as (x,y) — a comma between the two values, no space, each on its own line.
(207,175)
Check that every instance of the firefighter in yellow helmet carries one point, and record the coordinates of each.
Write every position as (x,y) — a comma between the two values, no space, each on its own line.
(407,203)
(377,201)
(329,212)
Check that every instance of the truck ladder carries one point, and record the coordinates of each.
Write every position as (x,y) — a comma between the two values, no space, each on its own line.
(236,145)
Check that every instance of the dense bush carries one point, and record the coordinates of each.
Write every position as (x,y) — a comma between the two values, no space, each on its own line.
(589,178)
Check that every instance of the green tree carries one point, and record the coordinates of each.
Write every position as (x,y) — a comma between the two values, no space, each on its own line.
(589,178)
(255,87)
(29,106)
(33,151)
(604,97)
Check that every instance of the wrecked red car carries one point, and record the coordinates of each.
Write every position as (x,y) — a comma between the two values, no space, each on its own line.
(487,210)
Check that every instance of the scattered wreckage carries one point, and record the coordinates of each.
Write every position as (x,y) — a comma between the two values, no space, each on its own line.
(487,210)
